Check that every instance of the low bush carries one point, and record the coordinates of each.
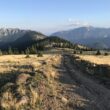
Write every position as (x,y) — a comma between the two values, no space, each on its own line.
(27,56)
(39,54)
(106,54)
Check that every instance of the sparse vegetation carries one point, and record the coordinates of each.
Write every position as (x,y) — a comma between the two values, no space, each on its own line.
(10,51)
(98,52)
(74,52)
(27,56)
(1,53)
(106,54)
(39,54)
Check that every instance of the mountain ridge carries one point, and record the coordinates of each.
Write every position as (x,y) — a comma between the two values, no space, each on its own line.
(28,38)
(87,36)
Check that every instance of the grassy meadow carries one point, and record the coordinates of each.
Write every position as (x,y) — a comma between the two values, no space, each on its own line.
(101,59)
(27,83)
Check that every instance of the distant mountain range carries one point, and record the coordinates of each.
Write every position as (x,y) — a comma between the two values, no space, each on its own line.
(23,39)
(17,38)
(11,35)
(90,36)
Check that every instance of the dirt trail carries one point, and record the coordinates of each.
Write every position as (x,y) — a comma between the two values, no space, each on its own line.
(81,92)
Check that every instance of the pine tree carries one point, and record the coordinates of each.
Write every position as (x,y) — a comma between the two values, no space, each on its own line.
(1,53)
(15,51)
(33,50)
(98,52)
(10,50)
(27,51)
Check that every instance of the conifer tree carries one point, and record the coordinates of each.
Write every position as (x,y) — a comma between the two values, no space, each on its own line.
(33,50)
(10,51)
(98,52)
(1,53)
(27,51)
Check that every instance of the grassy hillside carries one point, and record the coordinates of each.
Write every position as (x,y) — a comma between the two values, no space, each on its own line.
(96,59)
(28,83)
(34,44)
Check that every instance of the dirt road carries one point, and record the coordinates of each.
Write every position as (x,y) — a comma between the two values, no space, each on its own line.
(78,91)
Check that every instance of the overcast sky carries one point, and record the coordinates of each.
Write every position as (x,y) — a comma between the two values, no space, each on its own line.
(51,15)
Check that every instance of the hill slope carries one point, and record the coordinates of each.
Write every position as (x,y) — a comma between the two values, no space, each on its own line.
(10,34)
(27,39)
(90,36)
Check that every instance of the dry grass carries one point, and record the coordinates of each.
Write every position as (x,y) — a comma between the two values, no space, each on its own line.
(10,63)
(26,82)
(96,59)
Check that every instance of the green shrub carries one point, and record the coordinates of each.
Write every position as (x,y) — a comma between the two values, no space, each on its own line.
(106,54)
(39,54)
(27,56)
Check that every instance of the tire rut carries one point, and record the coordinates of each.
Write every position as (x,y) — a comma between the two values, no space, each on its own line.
(98,96)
